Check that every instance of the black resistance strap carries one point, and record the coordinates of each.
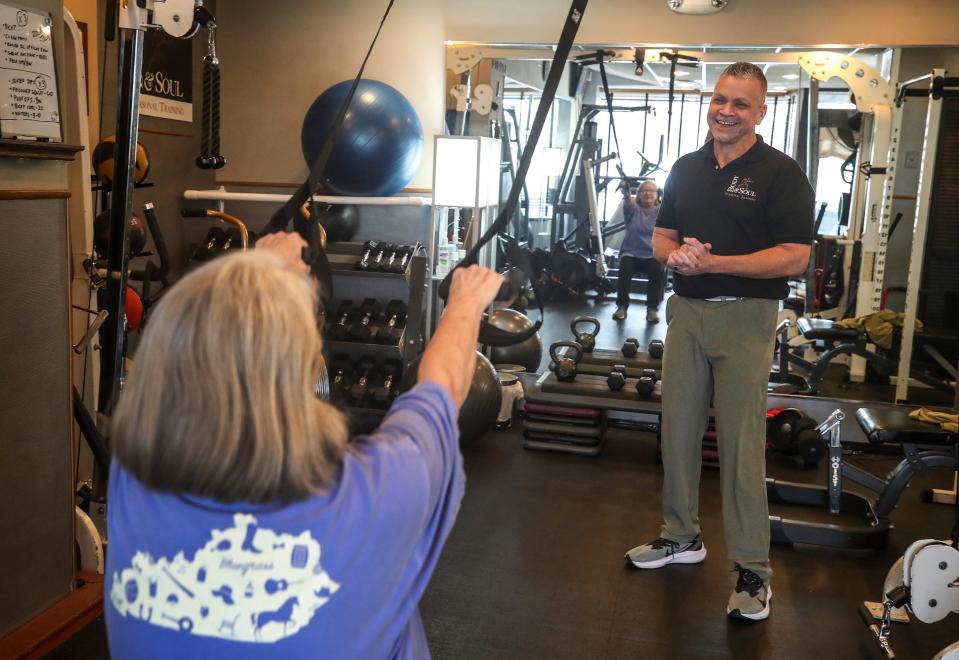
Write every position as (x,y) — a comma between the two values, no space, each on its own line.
(516,257)
(309,228)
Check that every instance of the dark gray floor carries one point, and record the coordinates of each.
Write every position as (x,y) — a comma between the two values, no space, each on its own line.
(534,568)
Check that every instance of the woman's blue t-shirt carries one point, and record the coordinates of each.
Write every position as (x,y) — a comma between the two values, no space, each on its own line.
(339,575)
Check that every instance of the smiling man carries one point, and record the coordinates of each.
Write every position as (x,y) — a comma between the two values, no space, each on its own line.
(735,222)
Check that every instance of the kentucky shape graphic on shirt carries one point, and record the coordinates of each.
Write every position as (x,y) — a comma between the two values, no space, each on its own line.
(247,584)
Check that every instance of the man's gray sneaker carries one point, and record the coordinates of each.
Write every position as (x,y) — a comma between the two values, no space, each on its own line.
(750,599)
(652,316)
(619,314)
(663,551)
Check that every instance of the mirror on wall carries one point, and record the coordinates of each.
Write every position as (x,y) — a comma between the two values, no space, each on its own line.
(659,98)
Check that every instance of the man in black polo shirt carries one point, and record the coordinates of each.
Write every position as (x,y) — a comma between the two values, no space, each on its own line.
(736,221)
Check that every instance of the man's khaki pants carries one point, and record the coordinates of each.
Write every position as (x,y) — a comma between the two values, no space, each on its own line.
(720,351)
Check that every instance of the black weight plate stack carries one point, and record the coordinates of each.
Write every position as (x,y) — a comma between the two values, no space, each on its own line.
(563,428)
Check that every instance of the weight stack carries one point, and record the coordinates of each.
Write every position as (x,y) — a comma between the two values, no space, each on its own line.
(710,447)
(564,428)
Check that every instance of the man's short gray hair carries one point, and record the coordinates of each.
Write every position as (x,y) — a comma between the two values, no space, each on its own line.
(746,70)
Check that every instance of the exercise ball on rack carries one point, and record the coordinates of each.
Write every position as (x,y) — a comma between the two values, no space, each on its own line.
(104,161)
(379,145)
(479,412)
(528,353)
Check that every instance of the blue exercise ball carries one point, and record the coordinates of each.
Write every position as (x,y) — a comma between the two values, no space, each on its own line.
(379,145)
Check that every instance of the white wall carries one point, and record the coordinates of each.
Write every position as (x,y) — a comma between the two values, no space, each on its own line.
(85,11)
(276,58)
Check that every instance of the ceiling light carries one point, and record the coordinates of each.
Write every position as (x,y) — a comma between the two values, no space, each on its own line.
(683,74)
(790,76)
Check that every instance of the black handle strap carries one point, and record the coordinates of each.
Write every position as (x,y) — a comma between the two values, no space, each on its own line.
(309,228)
(516,256)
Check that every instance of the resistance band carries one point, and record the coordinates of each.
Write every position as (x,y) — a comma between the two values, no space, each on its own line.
(519,259)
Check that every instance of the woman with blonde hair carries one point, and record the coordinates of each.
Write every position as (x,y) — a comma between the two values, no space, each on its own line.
(241,521)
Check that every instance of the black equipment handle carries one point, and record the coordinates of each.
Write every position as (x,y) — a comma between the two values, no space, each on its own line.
(194,213)
(517,257)
(163,253)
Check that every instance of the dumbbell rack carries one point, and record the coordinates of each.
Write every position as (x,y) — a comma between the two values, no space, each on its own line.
(410,286)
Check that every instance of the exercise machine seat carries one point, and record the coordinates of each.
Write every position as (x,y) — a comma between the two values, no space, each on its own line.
(826,330)
(795,304)
(891,426)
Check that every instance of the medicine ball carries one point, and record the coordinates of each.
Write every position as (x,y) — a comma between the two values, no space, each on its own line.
(104,163)
(339,220)
(101,235)
(133,309)
(379,145)
(528,352)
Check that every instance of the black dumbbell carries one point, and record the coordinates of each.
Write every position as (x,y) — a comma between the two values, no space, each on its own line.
(617,377)
(360,389)
(645,386)
(385,392)
(630,347)
(339,324)
(390,255)
(402,259)
(214,239)
(378,257)
(585,339)
(234,240)
(564,366)
(362,329)
(340,382)
(393,322)
(650,374)
(656,349)
(368,249)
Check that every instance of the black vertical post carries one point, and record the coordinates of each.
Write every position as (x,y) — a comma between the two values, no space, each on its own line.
(130,52)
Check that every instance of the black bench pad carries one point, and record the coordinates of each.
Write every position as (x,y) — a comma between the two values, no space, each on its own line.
(825,329)
(896,427)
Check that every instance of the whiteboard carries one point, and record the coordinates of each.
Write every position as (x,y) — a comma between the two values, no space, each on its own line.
(29,106)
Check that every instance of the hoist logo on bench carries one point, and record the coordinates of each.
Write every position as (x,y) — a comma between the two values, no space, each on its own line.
(741,188)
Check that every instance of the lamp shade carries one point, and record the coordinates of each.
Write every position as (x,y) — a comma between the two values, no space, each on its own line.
(466,171)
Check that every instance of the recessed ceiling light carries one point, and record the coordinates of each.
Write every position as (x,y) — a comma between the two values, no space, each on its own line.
(682,74)
(790,76)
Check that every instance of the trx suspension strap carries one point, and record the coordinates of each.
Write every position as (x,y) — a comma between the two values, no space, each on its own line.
(309,227)
(518,258)
(599,57)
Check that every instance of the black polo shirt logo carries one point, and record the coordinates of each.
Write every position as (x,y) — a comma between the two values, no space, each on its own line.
(741,188)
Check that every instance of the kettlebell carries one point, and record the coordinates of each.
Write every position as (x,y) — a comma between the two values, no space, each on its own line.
(585,339)
(565,366)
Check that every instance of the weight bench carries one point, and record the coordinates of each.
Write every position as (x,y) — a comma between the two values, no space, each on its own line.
(883,426)
(840,341)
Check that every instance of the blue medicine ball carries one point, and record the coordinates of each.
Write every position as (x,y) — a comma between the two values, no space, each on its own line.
(379,145)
